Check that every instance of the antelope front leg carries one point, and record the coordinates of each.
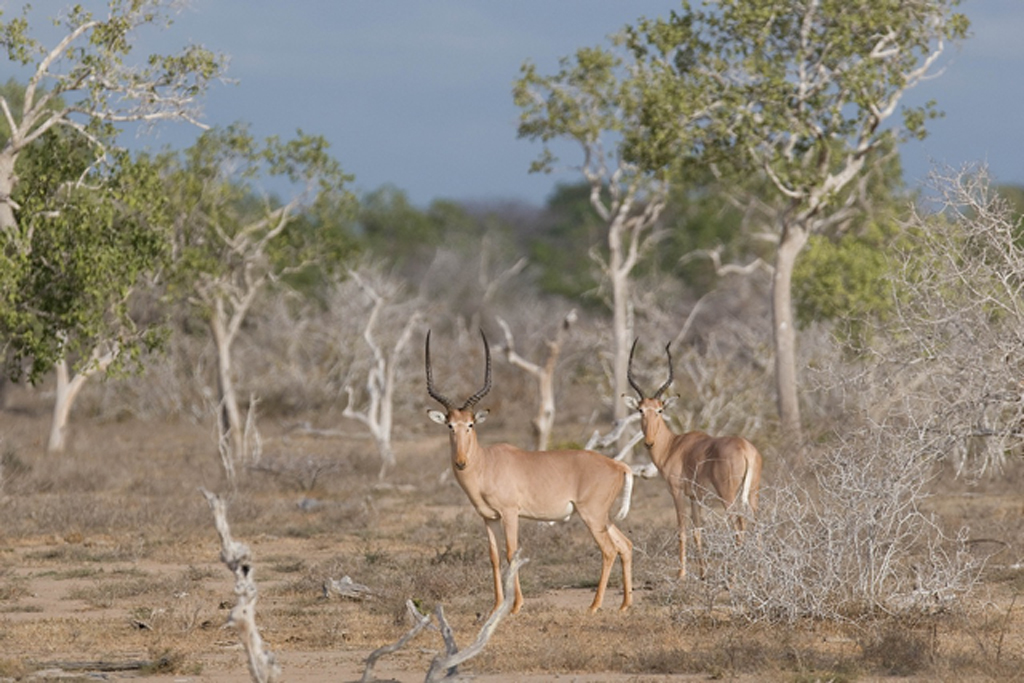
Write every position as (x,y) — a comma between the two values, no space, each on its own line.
(492,539)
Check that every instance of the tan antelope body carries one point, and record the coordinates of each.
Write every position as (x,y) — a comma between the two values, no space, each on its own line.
(698,468)
(505,483)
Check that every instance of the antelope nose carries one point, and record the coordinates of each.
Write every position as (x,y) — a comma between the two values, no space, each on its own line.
(460,466)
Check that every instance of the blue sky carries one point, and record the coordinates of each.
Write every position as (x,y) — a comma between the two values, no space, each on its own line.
(418,94)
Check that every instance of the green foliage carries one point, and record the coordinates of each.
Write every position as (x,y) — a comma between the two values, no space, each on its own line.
(88,221)
(391,226)
(95,68)
(407,237)
(698,216)
(795,90)
(584,100)
(571,229)
(847,280)
(90,244)
(1013,195)
(229,231)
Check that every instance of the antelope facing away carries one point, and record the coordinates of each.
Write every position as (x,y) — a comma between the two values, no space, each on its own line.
(697,466)
(505,483)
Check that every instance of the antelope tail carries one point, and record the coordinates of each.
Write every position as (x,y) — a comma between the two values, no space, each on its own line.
(745,491)
(627,495)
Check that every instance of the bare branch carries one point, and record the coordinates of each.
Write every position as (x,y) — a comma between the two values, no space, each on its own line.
(236,556)
(421,622)
(444,663)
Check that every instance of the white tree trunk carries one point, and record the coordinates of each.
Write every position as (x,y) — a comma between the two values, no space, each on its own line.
(8,222)
(66,393)
(544,422)
(794,237)
(619,267)
(230,423)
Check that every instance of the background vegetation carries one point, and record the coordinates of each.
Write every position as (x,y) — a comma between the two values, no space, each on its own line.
(208,302)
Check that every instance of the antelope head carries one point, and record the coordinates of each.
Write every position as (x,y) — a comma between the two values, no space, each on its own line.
(461,420)
(651,408)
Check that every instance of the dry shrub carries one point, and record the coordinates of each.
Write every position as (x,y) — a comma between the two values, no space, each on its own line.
(855,544)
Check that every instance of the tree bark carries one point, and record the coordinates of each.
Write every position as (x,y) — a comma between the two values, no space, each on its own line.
(619,268)
(794,237)
(8,221)
(543,423)
(66,393)
(230,416)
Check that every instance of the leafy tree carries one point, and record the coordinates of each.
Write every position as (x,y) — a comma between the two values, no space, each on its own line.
(68,307)
(804,93)
(846,280)
(594,102)
(85,80)
(232,241)
(76,215)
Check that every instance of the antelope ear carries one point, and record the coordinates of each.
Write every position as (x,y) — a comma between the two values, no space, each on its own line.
(668,401)
(437,416)
(631,402)
(480,415)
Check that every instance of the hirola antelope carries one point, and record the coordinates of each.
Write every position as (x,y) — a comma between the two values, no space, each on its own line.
(505,483)
(697,467)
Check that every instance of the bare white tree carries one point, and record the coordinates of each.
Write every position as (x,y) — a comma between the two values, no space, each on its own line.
(587,104)
(544,421)
(378,415)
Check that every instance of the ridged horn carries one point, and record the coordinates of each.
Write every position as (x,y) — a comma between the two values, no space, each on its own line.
(471,401)
(629,371)
(440,398)
(657,394)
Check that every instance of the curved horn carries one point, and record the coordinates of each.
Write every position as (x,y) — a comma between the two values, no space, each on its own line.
(440,398)
(657,394)
(629,371)
(471,401)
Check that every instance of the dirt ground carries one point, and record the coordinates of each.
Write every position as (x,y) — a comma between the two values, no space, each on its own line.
(109,570)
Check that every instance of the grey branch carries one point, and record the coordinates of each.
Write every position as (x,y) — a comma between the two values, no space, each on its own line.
(598,441)
(444,663)
(422,621)
(263,666)
(347,588)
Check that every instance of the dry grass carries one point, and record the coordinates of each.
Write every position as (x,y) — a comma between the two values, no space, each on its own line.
(109,554)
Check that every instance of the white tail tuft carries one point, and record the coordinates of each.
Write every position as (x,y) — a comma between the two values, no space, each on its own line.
(627,496)
(745,495)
